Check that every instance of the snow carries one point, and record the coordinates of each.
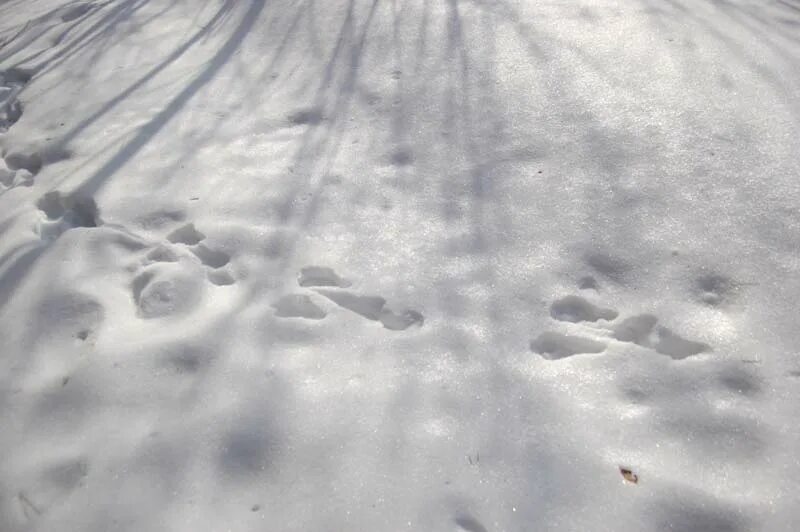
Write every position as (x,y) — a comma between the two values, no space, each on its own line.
(442,265)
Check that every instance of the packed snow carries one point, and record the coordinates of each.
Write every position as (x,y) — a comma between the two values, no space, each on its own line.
(383,265)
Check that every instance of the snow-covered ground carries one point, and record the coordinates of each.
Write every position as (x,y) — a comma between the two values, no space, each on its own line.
(383,265)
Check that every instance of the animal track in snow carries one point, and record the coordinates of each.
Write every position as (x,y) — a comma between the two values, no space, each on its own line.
(20,165)
(374,308)
(673,345)
(642,330)
(171,280)
(28,160)
(186,234)
(165,291)
(554,346)
(321,276)
(11,110)
(11,83)
(189,236)
(714,289)
(401,321)
(298,306)
(636,329)
(14,178)
(575,309)
(161,253)
(63,213)
(212,258)
(369,307)
(220,278)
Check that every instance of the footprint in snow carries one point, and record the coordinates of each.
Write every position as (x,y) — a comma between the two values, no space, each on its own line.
(715,289)
(326,283)
(62,213)
(576,309)
(161,253)
(642,330)
(374,308)
(166,290)
(11,83)
(170,281)
(671,344)
(298,306)
(20,165)
(220,278)
(14,178)
(186,234)
(213,259)
(320,276)
(553,346)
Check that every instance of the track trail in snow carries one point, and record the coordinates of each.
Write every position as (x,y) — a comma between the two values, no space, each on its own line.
(360,265)
(640,330)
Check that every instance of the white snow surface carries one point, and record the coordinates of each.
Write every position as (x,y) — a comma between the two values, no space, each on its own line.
(384,265)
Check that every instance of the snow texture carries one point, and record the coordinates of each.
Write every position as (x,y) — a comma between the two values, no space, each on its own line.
(434,265)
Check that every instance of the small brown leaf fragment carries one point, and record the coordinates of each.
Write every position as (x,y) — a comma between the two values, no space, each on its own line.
(629,475)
